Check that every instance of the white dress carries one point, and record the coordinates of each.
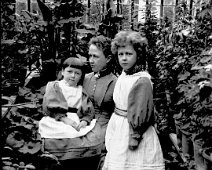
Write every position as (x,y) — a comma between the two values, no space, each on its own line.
(51,128)
(148,155)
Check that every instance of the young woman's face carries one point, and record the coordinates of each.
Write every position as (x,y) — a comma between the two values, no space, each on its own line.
(127,57)
(97,59)
(72,75)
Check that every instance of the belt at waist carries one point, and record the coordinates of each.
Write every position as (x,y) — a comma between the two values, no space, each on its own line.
(121,112)
(73,110)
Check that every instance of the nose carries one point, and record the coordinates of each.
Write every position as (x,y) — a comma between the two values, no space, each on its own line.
(73,74)
(124,57)
(91,59)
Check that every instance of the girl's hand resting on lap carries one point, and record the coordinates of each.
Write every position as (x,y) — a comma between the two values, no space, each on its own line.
(74,125)
(82,124)
(70,122)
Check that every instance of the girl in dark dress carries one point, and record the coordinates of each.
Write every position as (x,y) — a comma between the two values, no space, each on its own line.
(85,152)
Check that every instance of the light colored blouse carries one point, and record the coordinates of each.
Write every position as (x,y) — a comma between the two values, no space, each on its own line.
(73,95)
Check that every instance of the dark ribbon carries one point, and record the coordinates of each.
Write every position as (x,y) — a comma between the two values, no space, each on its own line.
(73,110)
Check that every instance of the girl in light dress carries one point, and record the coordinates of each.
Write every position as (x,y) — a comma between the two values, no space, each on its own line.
(131,140)
(69,111)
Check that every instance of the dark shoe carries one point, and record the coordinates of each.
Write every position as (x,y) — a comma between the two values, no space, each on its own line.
(50,158)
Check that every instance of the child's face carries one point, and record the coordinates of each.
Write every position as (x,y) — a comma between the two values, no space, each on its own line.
(72,75)
(127,57)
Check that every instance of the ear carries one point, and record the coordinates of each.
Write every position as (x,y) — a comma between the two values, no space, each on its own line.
(62,72)
(59,75)
(109,57)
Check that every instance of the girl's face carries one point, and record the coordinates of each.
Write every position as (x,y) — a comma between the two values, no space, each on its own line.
(72,75)
(97,59)
(127,57)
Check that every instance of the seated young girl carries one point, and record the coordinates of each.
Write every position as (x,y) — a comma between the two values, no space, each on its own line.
(69,111)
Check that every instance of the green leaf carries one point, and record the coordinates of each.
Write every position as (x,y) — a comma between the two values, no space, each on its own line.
(31,148)
(30,166)
(23,51)
(196,67)
(205,59)
(42,23)
(184,76)
(26,14)
(72,19)
(84,31)
(12,41)
(13,142)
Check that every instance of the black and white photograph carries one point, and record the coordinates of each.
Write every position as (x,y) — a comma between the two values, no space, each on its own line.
(106,84)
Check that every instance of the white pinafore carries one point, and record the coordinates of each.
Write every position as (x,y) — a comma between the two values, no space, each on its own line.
(51,128)
(148,156)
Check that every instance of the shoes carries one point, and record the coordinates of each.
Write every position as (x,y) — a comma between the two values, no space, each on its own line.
(50,157)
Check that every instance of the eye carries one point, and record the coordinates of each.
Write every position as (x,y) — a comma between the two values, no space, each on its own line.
(93,55)
(128,53)
(77,73)
(120,54)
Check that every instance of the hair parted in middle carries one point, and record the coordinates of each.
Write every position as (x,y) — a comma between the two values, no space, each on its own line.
(136,40)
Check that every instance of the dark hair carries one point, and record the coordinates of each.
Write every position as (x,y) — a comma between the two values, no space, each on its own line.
(138,42)
(103,43)
(75,62)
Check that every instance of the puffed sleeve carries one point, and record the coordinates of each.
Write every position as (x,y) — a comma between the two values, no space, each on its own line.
(140,108)
(54,103)
(86,111)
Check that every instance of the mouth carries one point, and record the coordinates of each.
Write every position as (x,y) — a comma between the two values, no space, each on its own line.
(92,66)
(71,80)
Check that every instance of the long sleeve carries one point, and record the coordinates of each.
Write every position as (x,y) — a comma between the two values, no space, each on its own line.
(86,111)
(54,103)
(140,108)
(101,93)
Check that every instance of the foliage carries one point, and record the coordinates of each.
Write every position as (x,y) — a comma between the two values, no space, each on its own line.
(14,59)
(20,138)
(61,25)
(108,19)
(154,33)
(183,54)
(150,30)
(180,57)
(96,12)
(40,41)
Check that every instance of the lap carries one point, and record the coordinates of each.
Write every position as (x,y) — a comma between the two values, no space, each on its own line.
(86,146)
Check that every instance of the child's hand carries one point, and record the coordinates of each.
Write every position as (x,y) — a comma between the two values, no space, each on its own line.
(74,125)
(82,124)
(70,122)
(133,144)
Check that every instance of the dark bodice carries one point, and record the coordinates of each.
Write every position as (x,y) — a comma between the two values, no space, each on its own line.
(100,90)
